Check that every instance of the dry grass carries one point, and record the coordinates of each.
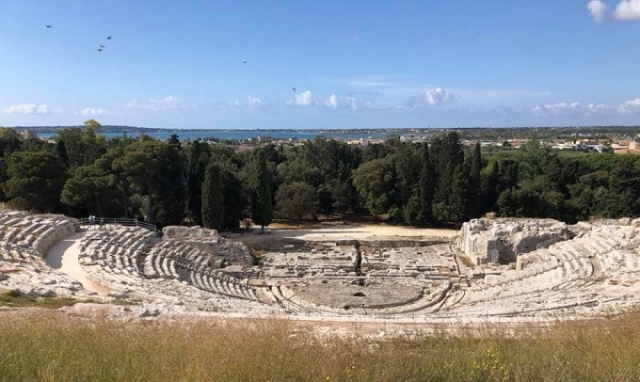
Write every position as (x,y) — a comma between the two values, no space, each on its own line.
(51,348)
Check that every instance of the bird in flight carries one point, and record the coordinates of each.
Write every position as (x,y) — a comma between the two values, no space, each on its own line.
(108,37)
(294,89)
(244,61)
(48,26)
(99,49)
(101,46)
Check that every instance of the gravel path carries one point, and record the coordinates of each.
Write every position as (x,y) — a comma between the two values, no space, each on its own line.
(64,257)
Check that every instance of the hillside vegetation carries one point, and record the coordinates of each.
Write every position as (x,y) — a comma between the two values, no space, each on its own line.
(81,173)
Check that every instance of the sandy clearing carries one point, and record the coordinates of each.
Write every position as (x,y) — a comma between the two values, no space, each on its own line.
(64,257)
(338,232)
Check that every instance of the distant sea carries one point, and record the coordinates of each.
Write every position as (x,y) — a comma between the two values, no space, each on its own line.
(247,134)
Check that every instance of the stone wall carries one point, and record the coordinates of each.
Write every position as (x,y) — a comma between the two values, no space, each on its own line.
(502,240)
(180,232)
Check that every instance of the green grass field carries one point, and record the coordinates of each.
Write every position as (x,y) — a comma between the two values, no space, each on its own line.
(53,348)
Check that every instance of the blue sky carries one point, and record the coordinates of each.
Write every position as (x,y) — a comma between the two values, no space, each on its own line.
(353,64)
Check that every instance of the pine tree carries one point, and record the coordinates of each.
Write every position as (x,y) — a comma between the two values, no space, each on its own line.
(261,203)
(212,198)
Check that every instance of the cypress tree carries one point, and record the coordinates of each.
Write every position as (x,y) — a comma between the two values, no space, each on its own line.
(427,187)
(212,198)
(474,207)
(261,203)
(195,176)
(234,199)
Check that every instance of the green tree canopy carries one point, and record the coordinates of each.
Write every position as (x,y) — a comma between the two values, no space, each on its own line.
(296,200)
(35,181)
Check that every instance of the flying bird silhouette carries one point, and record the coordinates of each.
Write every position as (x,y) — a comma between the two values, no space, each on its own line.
(244,61)
(48,26)
(108,37)
(294,89)
(99,49)
(101,46)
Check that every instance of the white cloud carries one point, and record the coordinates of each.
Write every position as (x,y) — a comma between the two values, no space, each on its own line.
(598,10)
(630,106)
(433,97)
(438,97)
(575,108)
(332,101)
(157,104)
(304,98)
(89,111)
(351,103)
(599,108)
(28,108)
(557,108)
(237,105)
(355,101)
(254,101)
(625,10)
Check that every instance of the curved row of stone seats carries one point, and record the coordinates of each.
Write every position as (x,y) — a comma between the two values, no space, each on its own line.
(521,306)
(119,250)
(573,258)
(39,232)
(539,271)
(173,292)
(577,259)
(427,302)
(534,284)
(159,266)
(289,300)
(266,296)
(290,306)
(182,253)
(167,256)
(583,293)
(216,283)
(22,255)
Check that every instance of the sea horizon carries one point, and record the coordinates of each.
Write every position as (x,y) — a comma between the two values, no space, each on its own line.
(240,135)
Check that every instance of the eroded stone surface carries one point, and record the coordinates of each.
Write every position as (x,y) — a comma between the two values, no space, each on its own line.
(502,240)
(563,271)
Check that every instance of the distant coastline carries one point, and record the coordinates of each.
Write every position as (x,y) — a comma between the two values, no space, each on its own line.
(234,134)
(111,131)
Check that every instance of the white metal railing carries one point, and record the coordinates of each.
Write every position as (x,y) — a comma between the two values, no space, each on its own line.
(130,222)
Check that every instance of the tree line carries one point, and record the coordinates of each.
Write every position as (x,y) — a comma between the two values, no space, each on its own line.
(441,182)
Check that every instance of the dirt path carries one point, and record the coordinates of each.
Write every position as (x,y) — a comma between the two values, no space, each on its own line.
(64,257)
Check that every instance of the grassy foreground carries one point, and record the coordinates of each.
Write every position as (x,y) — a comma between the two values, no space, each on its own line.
(51,348)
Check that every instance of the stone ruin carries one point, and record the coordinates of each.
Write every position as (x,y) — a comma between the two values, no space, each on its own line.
(223,252)
(502,240)
(577,271)
(179,232)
